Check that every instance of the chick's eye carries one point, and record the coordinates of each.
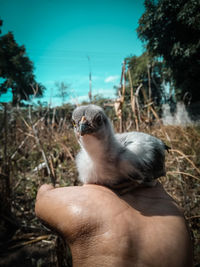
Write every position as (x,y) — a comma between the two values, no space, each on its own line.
(98,120)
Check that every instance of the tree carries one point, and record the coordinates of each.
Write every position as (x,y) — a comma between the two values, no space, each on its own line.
(63,89)
(171,29)
(150,72)
(16,70)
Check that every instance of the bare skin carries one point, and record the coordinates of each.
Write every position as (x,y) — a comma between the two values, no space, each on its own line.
(143,228)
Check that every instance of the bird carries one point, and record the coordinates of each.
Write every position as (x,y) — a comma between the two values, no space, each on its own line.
(113,159)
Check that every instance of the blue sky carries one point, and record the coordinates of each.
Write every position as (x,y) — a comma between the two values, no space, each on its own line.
(59,35)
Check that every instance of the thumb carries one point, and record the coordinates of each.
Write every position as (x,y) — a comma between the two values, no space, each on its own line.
(44,188)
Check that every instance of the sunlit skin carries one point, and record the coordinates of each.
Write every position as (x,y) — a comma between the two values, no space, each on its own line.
(142,228)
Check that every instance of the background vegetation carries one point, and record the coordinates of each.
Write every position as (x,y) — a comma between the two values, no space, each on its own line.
(46,135)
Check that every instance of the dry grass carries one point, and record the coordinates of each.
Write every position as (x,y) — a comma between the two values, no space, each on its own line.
(182,181)
(60,147)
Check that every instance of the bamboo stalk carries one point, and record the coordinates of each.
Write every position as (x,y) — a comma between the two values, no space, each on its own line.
(133,102)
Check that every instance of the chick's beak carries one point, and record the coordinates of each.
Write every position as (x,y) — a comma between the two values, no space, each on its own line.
(83,126)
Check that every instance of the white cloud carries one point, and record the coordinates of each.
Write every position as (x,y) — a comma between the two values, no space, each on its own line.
(106,92)
(111,79)
(78,99)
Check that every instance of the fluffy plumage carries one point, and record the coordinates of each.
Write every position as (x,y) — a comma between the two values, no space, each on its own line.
(107,158)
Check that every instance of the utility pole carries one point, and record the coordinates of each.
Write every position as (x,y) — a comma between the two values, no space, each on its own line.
(90,80)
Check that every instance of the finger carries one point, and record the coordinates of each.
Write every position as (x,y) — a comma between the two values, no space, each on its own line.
(44,188)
